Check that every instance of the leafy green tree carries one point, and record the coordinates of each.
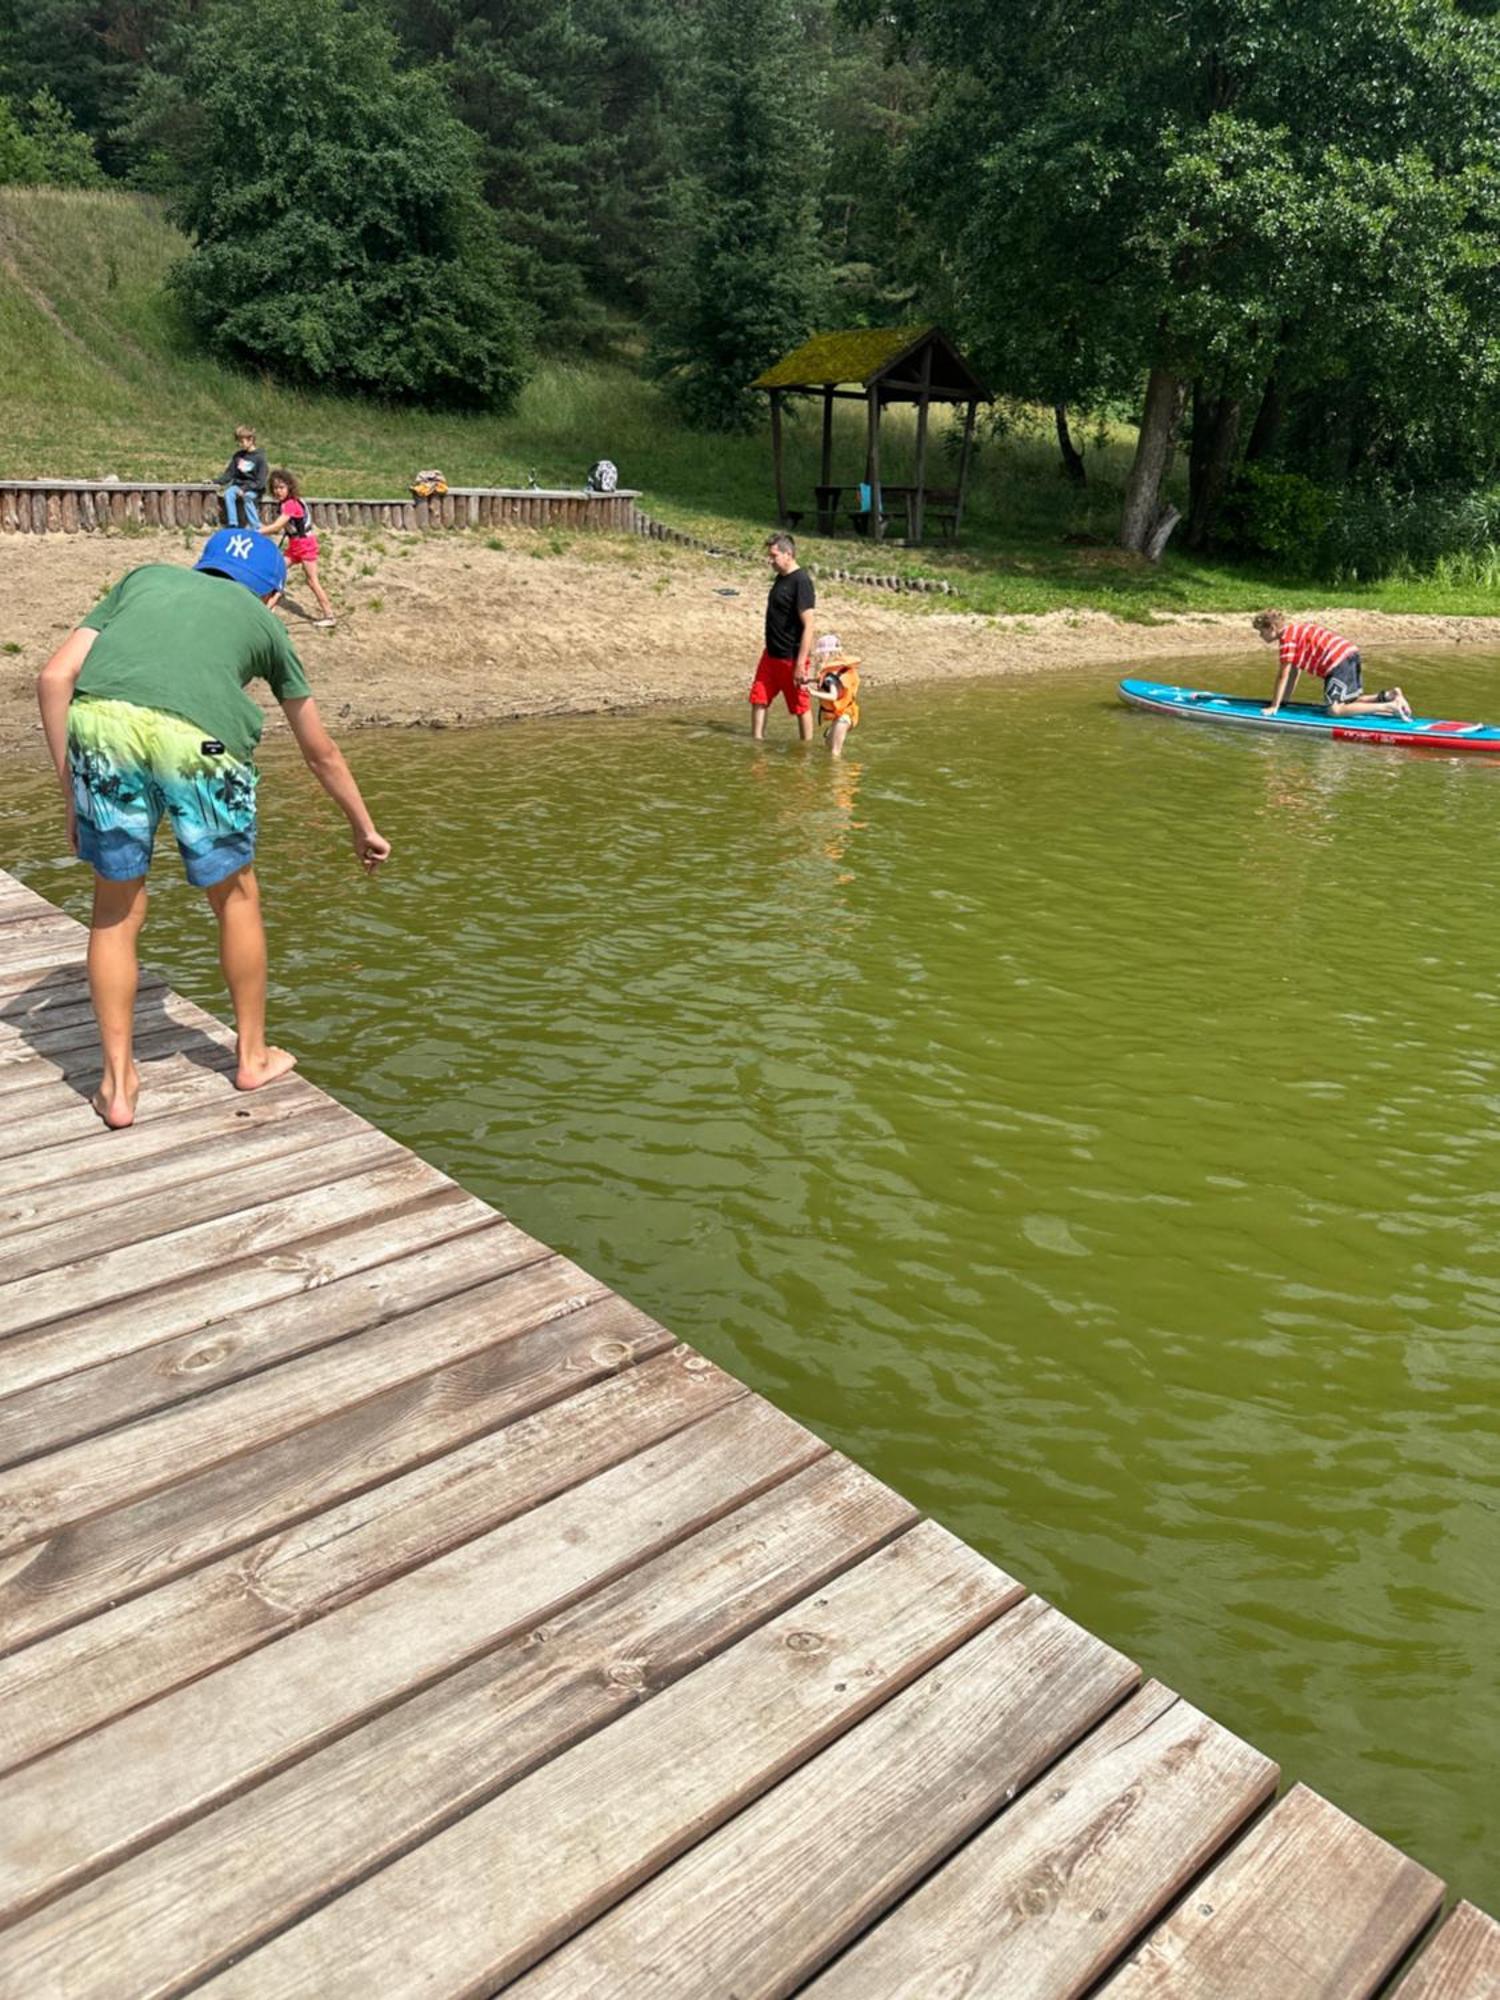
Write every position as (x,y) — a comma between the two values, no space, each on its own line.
(745,272)
(41,146)
(1213,200)
(340,234)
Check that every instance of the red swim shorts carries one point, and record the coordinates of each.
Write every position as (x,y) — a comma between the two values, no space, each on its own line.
(301,549)
(777,677)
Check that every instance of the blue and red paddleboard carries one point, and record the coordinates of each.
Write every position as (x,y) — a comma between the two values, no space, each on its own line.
(1304,718)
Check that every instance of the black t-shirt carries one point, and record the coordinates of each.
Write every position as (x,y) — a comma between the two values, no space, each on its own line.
(247,470)
(791,595)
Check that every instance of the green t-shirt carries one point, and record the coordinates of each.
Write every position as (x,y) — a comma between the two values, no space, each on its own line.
(187,642)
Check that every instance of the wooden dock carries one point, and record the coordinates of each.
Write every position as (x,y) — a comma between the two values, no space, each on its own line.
(387,1609)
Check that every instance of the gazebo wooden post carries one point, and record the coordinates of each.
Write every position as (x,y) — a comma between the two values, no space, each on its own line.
(963,465)
(916,512)
(776,456)
(872,466)
(827,519)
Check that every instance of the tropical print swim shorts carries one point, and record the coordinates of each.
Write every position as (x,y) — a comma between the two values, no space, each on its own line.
(130,766)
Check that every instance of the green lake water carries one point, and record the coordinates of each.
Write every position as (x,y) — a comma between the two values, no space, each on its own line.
(1087,1121)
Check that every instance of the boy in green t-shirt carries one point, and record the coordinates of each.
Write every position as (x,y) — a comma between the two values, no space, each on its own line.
(145,713)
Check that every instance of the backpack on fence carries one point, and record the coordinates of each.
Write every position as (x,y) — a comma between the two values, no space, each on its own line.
(425,484)
(604,476)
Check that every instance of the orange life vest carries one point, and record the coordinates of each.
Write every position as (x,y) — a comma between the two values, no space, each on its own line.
(841,680)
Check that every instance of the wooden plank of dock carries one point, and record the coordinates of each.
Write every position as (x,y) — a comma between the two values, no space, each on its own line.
(386,1606)
(1462,1963)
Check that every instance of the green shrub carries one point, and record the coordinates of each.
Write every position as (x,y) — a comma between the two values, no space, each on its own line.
(1279,514)
(1381,531)
(40,146)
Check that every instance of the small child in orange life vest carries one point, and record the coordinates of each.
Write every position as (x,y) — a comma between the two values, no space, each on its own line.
(835,681)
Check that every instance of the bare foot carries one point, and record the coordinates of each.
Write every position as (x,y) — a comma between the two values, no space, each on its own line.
(117,1107)
(256,1075)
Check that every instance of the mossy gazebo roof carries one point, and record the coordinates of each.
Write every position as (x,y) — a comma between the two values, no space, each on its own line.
(877,365)
(892,356)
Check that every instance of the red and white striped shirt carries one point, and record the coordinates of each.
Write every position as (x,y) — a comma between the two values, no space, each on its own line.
(1313,649)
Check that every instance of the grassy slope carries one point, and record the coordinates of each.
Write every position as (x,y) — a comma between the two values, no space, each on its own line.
(100,376)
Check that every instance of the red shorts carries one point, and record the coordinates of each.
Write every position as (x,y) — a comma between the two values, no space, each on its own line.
(302,549)
(777,677)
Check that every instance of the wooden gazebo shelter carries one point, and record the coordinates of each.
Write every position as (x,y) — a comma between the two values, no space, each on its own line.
(878,365)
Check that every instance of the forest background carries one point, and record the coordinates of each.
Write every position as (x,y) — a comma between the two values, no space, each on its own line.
(1240,260)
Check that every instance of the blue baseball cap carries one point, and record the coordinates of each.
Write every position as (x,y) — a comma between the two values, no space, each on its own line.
(251,559)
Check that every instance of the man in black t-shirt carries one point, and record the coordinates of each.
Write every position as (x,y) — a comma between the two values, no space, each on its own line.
(789,630)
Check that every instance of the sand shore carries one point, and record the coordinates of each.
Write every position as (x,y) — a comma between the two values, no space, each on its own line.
(443,631)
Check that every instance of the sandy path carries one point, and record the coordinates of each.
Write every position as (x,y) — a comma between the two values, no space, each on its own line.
(445,630)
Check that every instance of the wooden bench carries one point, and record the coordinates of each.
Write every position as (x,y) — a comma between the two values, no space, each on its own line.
(940,512)
(893,511)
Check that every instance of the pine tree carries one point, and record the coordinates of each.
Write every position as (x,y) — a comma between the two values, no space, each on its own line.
(745,275)
(575,106)
(517,75)
(87,55)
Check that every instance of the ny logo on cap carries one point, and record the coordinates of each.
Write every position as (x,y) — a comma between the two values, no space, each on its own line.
(241,545)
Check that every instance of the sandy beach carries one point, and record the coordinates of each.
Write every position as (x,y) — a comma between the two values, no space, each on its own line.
(447,631)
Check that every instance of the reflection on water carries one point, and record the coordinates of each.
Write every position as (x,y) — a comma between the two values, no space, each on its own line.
(1085,1120)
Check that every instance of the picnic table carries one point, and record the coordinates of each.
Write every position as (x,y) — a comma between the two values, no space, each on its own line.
(895,501)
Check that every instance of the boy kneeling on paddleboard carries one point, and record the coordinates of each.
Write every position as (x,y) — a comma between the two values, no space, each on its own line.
(1312,649)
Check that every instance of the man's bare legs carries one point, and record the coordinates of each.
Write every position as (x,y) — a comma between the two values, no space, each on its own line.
(758,724)
(242,954)
(114,975)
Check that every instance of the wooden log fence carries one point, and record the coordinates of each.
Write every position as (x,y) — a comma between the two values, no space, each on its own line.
(82,506)
(86,507)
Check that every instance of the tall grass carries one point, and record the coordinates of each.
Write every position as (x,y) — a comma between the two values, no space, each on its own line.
(101,376)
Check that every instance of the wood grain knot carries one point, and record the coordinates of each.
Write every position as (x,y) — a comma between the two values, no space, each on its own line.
(209,1355)
(610,1353)
(806,1642)
(627,1676)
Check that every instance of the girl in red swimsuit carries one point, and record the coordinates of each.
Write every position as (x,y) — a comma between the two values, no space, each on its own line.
(294,521)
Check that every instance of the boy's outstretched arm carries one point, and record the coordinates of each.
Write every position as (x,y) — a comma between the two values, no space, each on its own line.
(54,692)
(325,760)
